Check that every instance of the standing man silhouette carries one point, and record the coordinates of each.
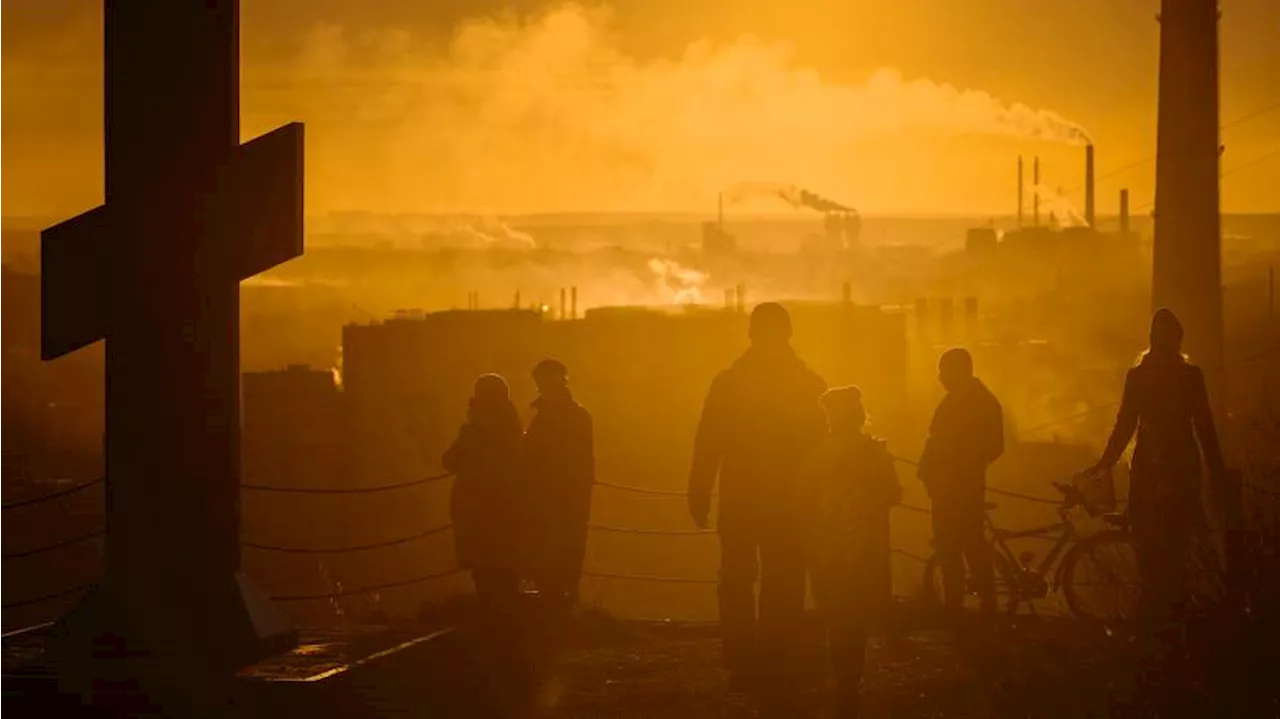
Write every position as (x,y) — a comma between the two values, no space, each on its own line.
(966,435)
(560,463)
(761,419)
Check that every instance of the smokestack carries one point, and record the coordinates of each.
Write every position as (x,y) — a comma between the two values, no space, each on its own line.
(1019,191)
(562,314)
(847,294)
(573,303)
(741,297)
(1124,212)
(1035,191)
(517,304)
(1088,185)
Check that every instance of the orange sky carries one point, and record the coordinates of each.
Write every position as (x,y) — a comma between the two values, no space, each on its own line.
(656,104)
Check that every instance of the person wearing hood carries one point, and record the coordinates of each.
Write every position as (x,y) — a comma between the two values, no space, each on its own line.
(966,435)
(485,501)
(845,493)
(559,460)
(1166,403)
(760,420)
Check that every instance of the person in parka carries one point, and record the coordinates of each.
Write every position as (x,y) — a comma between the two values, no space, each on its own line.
(486,499)
(559,461)
(845,493)
(760,420)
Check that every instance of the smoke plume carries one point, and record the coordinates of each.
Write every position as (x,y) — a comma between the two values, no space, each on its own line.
(1059,207)
(680,284)
(548,112)
(790,194)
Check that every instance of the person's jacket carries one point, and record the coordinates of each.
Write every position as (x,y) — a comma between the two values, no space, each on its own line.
(761,418)
(486,497)
(1166,402)
(966,435)
(559,452)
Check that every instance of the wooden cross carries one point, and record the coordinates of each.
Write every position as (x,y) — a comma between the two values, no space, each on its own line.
(155,271)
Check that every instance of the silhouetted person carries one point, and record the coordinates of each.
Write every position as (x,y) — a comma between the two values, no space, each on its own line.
(846,490)
(1166,402)
(760,420)
(486,499)
(560,462)
(490,533)
(966,435)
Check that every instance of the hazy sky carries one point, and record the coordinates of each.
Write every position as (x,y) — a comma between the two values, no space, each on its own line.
(916,106)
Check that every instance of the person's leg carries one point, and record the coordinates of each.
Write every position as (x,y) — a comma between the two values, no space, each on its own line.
(848,658)
(782,594)
(575,548)
(738,569)
(949,550)
(977,553)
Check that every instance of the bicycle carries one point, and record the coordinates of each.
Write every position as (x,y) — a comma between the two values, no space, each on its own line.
(1106,553)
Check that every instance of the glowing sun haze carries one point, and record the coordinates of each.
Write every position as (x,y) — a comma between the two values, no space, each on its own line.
(657,106)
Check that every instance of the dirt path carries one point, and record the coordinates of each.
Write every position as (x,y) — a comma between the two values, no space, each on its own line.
(1051,670)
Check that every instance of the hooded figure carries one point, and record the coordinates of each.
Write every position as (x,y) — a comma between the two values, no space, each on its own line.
(845,493)
(1166,402)
(485,502)
(760,420)
(559,458)
(966,435)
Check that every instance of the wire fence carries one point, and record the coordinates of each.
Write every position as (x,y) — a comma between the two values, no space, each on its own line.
(432,531)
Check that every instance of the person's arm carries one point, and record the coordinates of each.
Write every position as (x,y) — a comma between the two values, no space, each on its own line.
(995,442)
(1206,430)
(1126,424)
(588,457)
(929,458)
(455,456)
(708,451)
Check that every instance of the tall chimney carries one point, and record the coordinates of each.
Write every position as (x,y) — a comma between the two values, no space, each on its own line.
(562,314)
(1187,255)
(1035,191)
(1088,185)
(1124,212)
(1019,191)
(573,302)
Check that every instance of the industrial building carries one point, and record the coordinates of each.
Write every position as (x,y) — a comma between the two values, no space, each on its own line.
(642,372)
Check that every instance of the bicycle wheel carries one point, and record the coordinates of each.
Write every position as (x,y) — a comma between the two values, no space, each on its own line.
(1006,586)
(1100,578)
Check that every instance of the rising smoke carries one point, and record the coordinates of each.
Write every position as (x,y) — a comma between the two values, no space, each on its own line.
(676,283)
(548,113)
(795,196)
(1059,207)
